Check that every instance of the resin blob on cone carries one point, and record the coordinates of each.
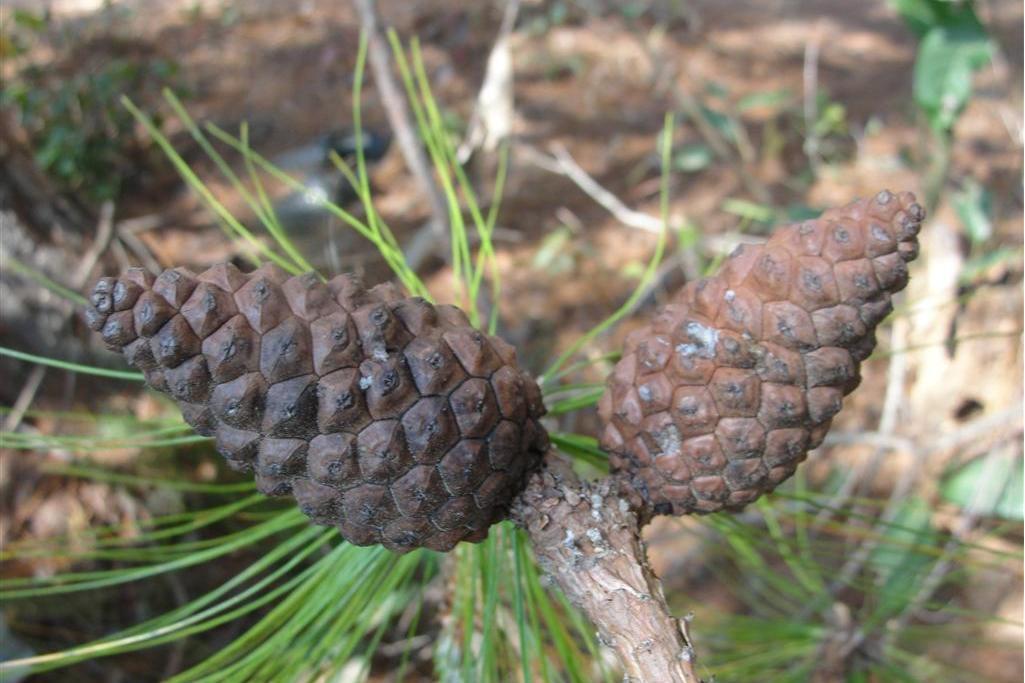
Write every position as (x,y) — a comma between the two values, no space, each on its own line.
(718,399)
(388,417)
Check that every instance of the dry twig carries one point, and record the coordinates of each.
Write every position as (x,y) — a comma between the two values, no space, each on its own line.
(397,110)
(563,163)
(810,78)
(492,117)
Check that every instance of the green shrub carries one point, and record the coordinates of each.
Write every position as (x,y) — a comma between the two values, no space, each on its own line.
(70,108)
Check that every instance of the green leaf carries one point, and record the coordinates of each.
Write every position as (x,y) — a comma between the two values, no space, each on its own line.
(691,158)
(769,99)
(717,89)
(947,58)
(899,561)
(749,210)
(554,253)
(832,120)
(801,212)
(973,204)
(977,265)
(721,122)
(920,15)
(923,15)
(910,526)
(30,20)
(998,492)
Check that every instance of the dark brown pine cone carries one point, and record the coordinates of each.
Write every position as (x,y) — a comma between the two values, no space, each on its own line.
(388,417)
(718,399)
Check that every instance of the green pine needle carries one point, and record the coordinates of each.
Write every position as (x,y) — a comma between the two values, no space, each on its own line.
(71,367)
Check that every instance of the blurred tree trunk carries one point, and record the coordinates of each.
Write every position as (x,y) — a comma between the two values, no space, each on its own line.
(34,200)
(48,231)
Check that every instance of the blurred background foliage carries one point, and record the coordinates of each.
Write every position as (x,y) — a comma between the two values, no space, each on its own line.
(190,132)
(69,106)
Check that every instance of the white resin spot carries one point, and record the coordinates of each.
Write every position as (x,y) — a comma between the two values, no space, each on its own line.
(669,440)
(702,341)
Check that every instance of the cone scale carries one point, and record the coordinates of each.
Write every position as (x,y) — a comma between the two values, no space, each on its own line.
(719,398)
(388,417)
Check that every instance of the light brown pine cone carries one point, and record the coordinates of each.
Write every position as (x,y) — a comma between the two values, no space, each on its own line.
(388,417)
(718,399)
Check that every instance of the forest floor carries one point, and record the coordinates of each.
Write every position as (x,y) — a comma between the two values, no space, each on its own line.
(596,83)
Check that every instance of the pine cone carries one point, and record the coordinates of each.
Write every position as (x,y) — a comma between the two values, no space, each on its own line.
(388,417)
(718,399)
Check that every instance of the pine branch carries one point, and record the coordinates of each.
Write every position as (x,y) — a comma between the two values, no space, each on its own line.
(587,538)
